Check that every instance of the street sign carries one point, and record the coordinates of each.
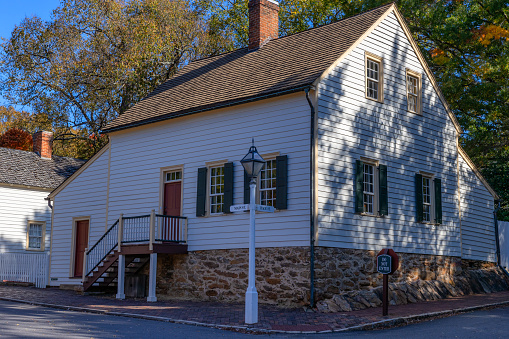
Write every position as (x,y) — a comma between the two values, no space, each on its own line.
(384,264)
(239,208)
(387,262)
(245,207)
(263,208)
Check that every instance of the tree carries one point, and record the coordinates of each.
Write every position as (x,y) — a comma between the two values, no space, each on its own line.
(17,139)
(96,58)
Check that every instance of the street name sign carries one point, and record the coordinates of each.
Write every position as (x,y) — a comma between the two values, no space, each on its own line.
(239,208)
(245,207)
(263,208)
(384,264)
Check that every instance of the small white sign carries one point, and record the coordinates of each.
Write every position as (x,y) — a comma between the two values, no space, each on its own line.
(263,208)
(239,208)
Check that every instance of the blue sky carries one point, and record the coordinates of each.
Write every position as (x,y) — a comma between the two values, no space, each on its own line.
(14,11)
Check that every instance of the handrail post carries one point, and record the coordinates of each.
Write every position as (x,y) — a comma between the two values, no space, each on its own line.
(152,229)
(120,230)
(185,231)
(84,274)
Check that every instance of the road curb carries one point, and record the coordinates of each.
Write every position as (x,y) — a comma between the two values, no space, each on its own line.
(386,323)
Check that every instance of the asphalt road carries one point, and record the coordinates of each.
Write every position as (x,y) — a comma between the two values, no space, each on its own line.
(27,321)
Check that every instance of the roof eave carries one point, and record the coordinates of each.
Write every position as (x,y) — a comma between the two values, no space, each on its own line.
(206,108)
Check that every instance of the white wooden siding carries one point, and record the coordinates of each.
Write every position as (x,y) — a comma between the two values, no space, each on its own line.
(503,231)
(278,125)
(477,224)
(351,126)
(85,196)
(17,206)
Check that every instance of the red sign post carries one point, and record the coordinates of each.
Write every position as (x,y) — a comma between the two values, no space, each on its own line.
(387,262)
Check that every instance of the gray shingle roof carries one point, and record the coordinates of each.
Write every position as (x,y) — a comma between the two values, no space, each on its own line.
(281,66)
(28,169)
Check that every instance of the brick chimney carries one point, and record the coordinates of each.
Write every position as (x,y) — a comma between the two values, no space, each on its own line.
(263,22)
(42,143)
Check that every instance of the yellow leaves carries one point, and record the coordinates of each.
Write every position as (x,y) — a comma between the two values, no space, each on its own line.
(439,56)
(487,33)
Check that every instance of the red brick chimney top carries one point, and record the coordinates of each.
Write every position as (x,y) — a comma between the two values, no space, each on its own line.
(42,144)
(263,22)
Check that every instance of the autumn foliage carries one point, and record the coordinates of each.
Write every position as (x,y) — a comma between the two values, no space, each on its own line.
(17,139)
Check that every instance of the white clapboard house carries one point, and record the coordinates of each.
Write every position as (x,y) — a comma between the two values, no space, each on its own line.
(362,153)
(26,179)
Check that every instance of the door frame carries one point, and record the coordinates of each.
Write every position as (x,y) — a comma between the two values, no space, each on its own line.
(162,181)
(73,244)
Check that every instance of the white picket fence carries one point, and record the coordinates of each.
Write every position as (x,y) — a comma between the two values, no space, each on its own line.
(25,267)
(503,231)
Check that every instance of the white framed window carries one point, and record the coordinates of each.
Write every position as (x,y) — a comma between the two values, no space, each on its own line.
(370,203)
(429,198)
(427,201)
(413,89)
(267,184)
(374,77)
(216,189)
(36,231)
(173,176)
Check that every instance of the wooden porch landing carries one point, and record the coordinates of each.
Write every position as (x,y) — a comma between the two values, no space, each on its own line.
(164,248)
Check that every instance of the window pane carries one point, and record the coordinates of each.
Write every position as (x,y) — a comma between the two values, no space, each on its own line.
(426,199)
(268,184)
(369,188)
(216,189)
(35,236)
(174,176)
(372,89)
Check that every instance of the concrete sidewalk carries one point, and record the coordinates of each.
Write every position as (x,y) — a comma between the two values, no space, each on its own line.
(271,319)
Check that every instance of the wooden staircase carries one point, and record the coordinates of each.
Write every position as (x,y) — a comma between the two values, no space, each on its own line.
(138,238)
(108,271)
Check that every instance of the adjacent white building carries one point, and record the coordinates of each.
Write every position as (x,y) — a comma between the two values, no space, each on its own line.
(26,179)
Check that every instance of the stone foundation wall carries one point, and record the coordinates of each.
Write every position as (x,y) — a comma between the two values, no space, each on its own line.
(347,280)
(342,276)
(340,270)
(282,275)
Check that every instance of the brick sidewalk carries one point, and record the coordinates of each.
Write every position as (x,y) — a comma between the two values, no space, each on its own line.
(270,318)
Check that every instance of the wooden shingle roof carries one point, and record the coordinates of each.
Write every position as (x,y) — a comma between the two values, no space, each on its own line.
(283,65)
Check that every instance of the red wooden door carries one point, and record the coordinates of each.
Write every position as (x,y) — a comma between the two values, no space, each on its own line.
(80,245)
(172,204)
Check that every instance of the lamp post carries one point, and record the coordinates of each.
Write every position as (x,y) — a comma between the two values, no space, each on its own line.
(253,164)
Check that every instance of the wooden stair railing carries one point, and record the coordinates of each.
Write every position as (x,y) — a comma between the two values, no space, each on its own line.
(149,228)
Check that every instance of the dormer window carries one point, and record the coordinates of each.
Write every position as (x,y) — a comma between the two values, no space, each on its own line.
(374,77)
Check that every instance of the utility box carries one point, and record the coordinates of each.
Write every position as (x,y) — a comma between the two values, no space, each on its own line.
(135,285)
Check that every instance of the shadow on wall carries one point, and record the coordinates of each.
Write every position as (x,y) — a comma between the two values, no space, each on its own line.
(351,127)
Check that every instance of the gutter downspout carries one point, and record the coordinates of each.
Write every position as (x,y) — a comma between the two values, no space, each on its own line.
(49,202)
(48,282)
(312,211)
(497,238)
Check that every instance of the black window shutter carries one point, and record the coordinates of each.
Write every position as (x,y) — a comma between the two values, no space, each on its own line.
(359,187)
(228,187)
(201,195)
(382,190)
(246,189)
(418,197)
(282,182)
(438,201)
